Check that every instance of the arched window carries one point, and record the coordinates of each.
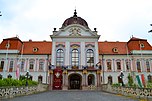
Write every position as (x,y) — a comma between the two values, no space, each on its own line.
(75,58)
(90,58)
(59,58)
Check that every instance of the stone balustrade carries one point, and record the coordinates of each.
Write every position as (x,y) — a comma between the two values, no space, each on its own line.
(129,91)
(9,92)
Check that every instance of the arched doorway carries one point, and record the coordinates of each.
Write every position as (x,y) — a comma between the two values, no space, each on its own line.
(110,79)
(91,79)
(75,81)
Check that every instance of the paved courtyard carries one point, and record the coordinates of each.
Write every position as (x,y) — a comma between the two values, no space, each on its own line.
(71,96)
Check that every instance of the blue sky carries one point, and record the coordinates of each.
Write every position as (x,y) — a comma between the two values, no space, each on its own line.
(115,20)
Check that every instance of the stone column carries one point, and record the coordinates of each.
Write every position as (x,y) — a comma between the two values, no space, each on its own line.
(84,85)
(67,53)
(53,54)
(65,87)
(83,55)
(51,79)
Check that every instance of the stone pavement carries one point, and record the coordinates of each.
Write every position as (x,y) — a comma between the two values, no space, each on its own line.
(72,95)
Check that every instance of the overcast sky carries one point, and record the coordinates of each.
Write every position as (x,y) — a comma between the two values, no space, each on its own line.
(115,20)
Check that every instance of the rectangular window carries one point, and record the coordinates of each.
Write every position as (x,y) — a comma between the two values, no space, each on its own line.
(118,65)
(41,65)
(11,66)
(128,65)
(148,66)
(138,66)
(109,65)
(31,64)
(1,66)
(22,64)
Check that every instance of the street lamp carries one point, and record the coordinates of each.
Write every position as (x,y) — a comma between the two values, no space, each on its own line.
(27,74)
(150,30)
(0,13)
(121,77)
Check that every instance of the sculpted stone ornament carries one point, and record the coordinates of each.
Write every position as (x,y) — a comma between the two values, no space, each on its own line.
(57,75)
(75,32)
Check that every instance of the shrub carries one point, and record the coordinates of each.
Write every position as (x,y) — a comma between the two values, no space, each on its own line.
(116,85)
(13,82)
(130,80)
(149,85)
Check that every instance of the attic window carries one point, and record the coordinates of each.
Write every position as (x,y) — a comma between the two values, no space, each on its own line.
(7,45)
(142,45)
(35,49)
(115,50)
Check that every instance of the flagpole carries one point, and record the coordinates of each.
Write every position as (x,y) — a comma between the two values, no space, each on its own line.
(7,46)
(141,56)
(128,59)
(18,70)
(22,54)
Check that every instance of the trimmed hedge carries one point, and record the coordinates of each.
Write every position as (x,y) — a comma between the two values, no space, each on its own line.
(7,82)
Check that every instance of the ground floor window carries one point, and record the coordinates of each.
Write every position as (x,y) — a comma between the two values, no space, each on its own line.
(1,66)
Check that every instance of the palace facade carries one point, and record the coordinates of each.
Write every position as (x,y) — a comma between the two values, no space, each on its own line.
(75,59)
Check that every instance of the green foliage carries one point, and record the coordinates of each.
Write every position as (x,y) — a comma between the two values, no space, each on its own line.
(22,77)
(116,85)
(17,83)
(149,85)
(130,80)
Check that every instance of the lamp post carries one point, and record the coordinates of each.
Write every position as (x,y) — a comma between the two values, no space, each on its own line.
(121,76)
(0,13)
(27,74)
(150,30)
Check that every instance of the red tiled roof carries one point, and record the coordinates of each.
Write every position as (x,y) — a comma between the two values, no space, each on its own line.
(134,44)
(107,47)
(14,42)
(44,47)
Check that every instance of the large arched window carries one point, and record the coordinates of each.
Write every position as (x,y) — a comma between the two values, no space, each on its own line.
(90,58)
(59,57)
(75,58)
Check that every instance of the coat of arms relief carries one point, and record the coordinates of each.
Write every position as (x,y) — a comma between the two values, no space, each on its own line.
(75,31)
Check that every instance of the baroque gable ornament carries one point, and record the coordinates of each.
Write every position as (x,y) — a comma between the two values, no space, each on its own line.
(75,31)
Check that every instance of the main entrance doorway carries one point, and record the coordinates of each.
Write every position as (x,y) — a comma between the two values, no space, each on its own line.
(75,81)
